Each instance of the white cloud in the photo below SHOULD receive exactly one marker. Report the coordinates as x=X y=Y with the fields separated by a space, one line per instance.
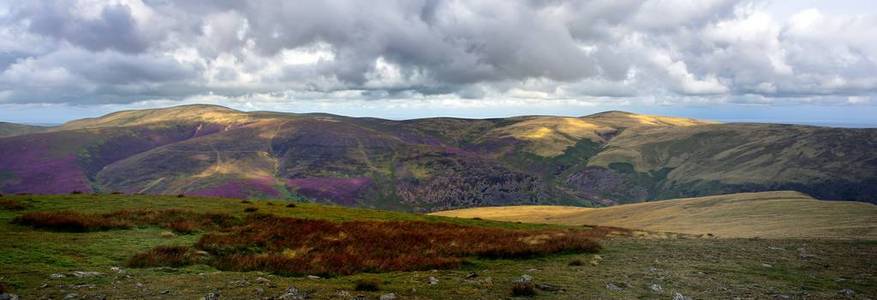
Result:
x=610 y=51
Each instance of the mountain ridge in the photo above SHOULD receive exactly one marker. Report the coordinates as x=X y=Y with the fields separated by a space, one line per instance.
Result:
x=436 y=163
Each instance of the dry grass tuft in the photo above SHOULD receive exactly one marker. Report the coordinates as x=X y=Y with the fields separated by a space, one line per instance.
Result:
x=11 y=205
x=164 y=256
x=523 y=289
x=69 y=221
x=182 y=221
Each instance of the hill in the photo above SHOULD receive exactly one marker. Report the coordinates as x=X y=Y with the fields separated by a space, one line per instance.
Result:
x=766 y=215
x=436 y=163
x=11 y=129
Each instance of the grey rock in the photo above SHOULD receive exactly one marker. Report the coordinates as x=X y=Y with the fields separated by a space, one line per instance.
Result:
x=781 y=297
x=679 y=296
x=211 y=296
x=433 y=280
x=525 y=278
x=471 y=275
x=57 y=276
x=83 y=274
x=71 y=296
x=613 y=287
x=390 y=296
x=260 y=290
x=656 y=288
x=292 y=293
x=313 y=277
x=849 y=293
x=548 y=287
x=263 y=280
x=343 y=294
x=5 y=296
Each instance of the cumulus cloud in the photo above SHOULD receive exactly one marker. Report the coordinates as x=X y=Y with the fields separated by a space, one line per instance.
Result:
x=677 y=51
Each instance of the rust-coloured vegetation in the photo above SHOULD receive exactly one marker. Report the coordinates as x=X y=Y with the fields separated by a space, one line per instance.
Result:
x=69 y=221
x=182 y=221
x=298 y=246
x=11 y=205
x=164 y=256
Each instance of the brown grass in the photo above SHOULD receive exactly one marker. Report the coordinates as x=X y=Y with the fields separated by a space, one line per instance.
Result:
x=780 y=214
x=576 y=263
x=69 y=221
x=164 y=256
x=11 y=205
x=182 y=221
x=299 y=246
x=523 y=289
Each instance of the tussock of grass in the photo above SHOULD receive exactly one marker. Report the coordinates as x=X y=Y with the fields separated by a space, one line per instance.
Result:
x=11 y=205
x=164 y=256
x=523 y=289
x=182 y=221
x=576 y=263
x=67 y=221
x=300 y=246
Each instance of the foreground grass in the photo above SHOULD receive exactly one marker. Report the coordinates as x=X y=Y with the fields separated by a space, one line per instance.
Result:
x=699 y=268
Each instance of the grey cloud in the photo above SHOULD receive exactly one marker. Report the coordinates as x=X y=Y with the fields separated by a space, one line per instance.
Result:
x=467 y=49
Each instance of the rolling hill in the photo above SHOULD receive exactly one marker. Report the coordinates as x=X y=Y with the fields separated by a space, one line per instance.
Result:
x=781 y=214
x=11 y=129
x=436 y=163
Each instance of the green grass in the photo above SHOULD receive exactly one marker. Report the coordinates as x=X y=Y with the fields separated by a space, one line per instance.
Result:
x=699 y=268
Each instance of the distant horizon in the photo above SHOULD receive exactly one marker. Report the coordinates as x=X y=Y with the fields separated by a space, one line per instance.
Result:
x=839 y=123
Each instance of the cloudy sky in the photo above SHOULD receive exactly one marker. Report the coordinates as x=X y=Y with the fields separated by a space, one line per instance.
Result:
x=802 y=61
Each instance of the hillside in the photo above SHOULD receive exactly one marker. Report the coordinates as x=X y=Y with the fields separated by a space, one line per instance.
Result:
x=11 y=129
x=436 y=163
x=766 y=215
x=144 y=247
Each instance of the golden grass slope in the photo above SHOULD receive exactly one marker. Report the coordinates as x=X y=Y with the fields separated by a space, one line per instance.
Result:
x=782 y=214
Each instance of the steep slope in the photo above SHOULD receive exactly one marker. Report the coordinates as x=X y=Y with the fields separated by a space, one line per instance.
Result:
x=12 y=129
x=435 y=163
x=767 y=214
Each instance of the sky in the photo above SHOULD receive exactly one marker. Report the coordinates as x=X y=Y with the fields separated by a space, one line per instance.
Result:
x=802 y=61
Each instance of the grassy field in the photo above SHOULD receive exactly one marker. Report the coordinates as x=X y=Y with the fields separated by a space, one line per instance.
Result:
x=627 y=267
x=745 y=215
